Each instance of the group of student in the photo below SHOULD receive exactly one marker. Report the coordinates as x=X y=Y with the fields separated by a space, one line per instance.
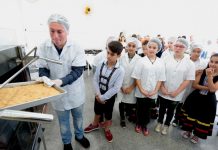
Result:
x=177 y=83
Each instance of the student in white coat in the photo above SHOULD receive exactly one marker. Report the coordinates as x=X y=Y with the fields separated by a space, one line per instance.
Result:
x=169 y=51
x=127 y=94
x=200 y=65
x=69 y=76
x=180 y=70
x=149 y=74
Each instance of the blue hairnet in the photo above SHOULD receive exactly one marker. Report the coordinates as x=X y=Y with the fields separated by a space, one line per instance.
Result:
x=195 y=45
x=132 y=40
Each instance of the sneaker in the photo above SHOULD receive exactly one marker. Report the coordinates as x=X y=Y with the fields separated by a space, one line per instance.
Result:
x=186 y=134
x=194 y=139
x=123 y=123
x=91 y=128
x=84 y=142
x=165 y=130
x=175 y=123
x=158 y=127
x=68 y=147
x=108 y=136
x=138 y=129
x=145 y=132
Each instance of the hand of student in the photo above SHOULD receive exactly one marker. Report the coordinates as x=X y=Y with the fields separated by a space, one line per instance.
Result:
x=198 y=72
x=174 y=94
x=209 y=71
x=150 y=94
x=99 y=100
x=164 y=91
x=128 y=90
x=144 y=92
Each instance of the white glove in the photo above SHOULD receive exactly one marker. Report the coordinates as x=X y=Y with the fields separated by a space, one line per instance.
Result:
x=47 y=82
x=57 y=82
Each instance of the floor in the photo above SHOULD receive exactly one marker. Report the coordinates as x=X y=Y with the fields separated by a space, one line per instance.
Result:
x=124 y=139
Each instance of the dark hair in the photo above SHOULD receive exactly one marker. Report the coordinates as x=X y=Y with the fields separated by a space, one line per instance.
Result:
x=214 y=55
x=134 y=35
x=145 y=42
x=115 y=47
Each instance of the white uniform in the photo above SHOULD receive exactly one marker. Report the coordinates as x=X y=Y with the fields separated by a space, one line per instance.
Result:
x=176 y=73
x=149 y=74
x=199 y=65
x=128 y=81
x=167 y=53
x=71 y=55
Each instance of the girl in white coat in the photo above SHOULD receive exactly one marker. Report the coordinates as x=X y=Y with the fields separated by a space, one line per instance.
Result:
x=180 y=70
x=200 y=65
x=149 y=73
x=126 y=95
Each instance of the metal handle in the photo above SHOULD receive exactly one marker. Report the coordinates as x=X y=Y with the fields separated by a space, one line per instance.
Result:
x=51 y=60
x=12 y=77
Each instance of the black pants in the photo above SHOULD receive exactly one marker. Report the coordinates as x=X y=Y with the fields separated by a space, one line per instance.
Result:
x=168 y=107
x=143 y=109
x=126 y=108
x=106 y=109
x=178 y=111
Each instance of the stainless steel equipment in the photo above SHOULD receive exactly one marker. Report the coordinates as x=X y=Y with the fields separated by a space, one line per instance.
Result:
x=15 y=134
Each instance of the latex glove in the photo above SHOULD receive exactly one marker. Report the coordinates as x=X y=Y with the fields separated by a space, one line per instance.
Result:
x=47 y=82
x=57 y=82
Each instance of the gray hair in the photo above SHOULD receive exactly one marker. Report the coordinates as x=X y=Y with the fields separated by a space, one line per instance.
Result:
x=59 y=19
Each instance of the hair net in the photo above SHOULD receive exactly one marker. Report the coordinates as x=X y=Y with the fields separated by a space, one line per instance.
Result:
x=157 y=41
x=132 y=40
x=59 y=19
x=110 y=39
x=194 y=46
x=172 y=39
x=183 y=41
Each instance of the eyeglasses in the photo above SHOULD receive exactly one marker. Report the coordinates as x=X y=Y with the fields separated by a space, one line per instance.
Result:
x=133 y=46
x=179 y=46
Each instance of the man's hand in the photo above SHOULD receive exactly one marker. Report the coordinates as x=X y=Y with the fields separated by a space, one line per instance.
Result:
x=174 y=94
x=57 y=82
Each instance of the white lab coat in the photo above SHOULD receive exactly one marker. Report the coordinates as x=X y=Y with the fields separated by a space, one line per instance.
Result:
x=149 y=74
x=176 y=73
x=71 y=55
x=128 y=80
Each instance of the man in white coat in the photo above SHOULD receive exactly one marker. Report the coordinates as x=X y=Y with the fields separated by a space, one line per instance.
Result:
x=69 y=76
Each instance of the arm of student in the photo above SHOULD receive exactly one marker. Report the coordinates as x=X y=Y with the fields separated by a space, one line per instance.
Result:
x=156 y=89
x=129 y=89
x=182 y=86
x=164 y=90
x=139 y=85
x=196 y=84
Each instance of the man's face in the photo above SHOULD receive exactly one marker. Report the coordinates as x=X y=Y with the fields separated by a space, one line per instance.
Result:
x=58 y=34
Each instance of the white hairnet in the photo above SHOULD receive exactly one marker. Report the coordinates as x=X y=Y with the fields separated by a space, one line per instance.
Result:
x=59 y=19
x=172 y=39
x=157 y=41
x=183 y=41
x=110 y=39
x=132 y=40
x=194 y=46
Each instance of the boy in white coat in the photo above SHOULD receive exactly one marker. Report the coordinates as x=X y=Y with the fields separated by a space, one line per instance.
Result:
x=127 y=93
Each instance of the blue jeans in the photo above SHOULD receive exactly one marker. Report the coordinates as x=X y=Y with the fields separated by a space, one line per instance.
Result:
x=64 y=122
